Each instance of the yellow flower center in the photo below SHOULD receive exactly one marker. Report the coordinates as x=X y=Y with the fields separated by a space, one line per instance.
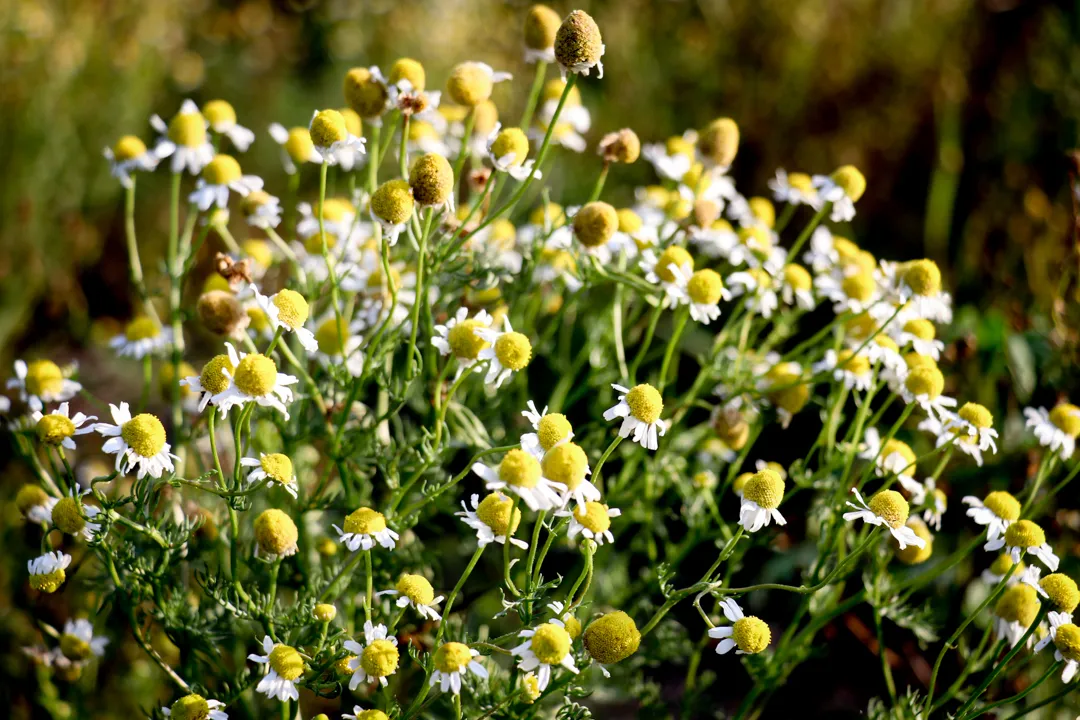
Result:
x=565 y=464
x=256 y=375
x=611 y=638
x=299 y=145
x=190 y=707
x=552 y=429
x=485 y=115
x=1019 y=603
x=923 y=277
x=925 y=381
x=220 y=311
x=751 y=634
x=704 y=480
x=1003 y=562
x=128 y=147
x=67 y=516
x=292 y=308
x=531 y=684
x=393 y=202
x=645 y=403
x=327 y=128
x=764 y=488
x=463 y=340
x=43 y=377
x=719 y=141
x=469 y=84
x=74 y=648
x=860 y=286
x=595 y=223
x=331 y=336
x=851 y=181
x=541 y=25
x=416 y=588
x=763 y=210
x=188 y=129
x=275 y=532
x=365 y=521
x=891 y=507
x=48 y=582
x=1062 y=591
x=577 y=41
x=572 y=625
x=1066 y=417
x=629 y=221
x=142 y=328
x=144 y=434
x=258 y=250
x=408 y=69
x=803 y=183
x=30 y=496
x=884 y=341
x=1067 y=641
x=364 y=93
x=222 y=170
x=286 y=662
x=513 y=143
x=901 y=448
x=431 y=179
x=673 y=256
x=550 y=643
x=920 y=328
x=220 y=113
x=797 y=277
x=1024 y=534
x=54 y=429
x=520 y=469
x=380 y=658
x=513 y=350
x=494 y=511
x=705 y=287
x=915 y=361
x=977 y=415
x=212 y=378
x=549 y=214
x=855 y=364
x=593 y=516
x=1003 y=504
x=913 y=554
x=341 y=667
x=278 y=467
x=452 y=657
x=316 y=244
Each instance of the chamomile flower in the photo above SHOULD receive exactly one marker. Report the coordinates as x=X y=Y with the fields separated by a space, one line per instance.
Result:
x=851 y=289
x=220 y=176
x=195 y=707
x=704 y=291
x=184 y=139
x=609 y=639
x=47 y=572
x=920 y=288
x=296 y=147
x=567 y=464
x=459 y=336
x=822 y=256
x=797 y=287
x=892 y=457
x=332 y=140
x=73 y=517
x=273 y=468
x=1025 y=536
x=283 y=666
x=261 y=210
x=541 y=25
x=888 y=508
x=566 y=618
x=451 y=661
x=1000 y=568
x=973 y=431
x=138 y=442
x=143 y=336
x=212 y=381
x=276 y=535
x=673 y=159
x=364 y=528
x=760 y=288
x=924 y=385
x=507 y=352
x=521 y=473
x=58 y=427
x=761 y=496
x=78 y=642
x=360 y=713
x=843 y=189
x=1015 y=611
x=546 y=648
x=997 y=511
x=221 y=116
x=920 y=335
x=508 y=150
x=794 y=189
x=287 y=310
x=415 y=591
x=338 y=347
x=1062 y=592
x=35 y=504
x=851 y=368
x=1065 y=636
x=747 y=635
x=491 y=519
x=552 y=430
x=128 y=155
x=254 y=379
x=640 y=408
x=592 y=520
x=1056 y=429
x=40 y=382
x=662 y=270
x=376 y=660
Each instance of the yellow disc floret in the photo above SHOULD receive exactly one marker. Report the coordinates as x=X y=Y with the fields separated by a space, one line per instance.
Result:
x=393 y=202
x=520 y=469
x=74 y=647
x=1066 y=417
x=463 y=340
x=578 y=42
x=762 y=209
x=718 y=142
x=751 y=634
x=365 y=521
x=324 y=612
x=278 y=467
x=1024 y=534
x=452 y=657
x=851 y=181
x=29 y=497
x=275 y=533
x=595 y=223
x=891 y=507
x=859 y=286
x=213 y=378
x=494 y=511
x=128 y=147
x=550 y=643
x=913 y=554
x=645 y=403
x=541 y=24
x=256 y=375
x=416 y=588
x=380 y=658
x=142 y=328
x=331 y=336
x=925 y=381
x=593 y=516
x=764 y=488
x=920 y=328
x=612 y=638
x=190 y=707
x=43 y=377
x=566 y=464
x=673 y=256
x=976 y=414
x=67 y=516
x=54 y=429
x=222 y=170
x=292 y=308
x=923 y=277
x=1067 y=642
x=408 y=69
x=188 y=129
x=328 y=128
x=220 y=114
x=797 y=277
x=286 y=662
x=552 y=429
x=299 y=145
x=510 y=143
x=1003 y=504
x=706 y=287
x=513 y=350
x=364 y=93
x=144 y=434
x=469 y=84
x=431 y=179
x=1062 y=591
x=1019 y=603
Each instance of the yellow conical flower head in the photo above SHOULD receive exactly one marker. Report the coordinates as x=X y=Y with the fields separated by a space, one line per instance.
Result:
x=920 y=328
x=331 y=336
x=54 y=429
x=511 y=143
x=328 y=128
x=577 y=42
x=67 y=516
x=855 y=364
x=705 y=287
x=286 y=662
x=718 y=142
x=275 y=533
x=219 y=113
x=901 y=448
x=913 y=554
x=408 y=69
x=541 y=24
x=851 y=181
x=550 y=643
x=646 y=403
x=890 y=506
x=213 y=378
x=751 y=634
x=612 y=638
x=393 y=202
x=353 y=123
x=1019 y=603
x=48 y=582
x=1067 y=642
x=128 y=147
x=142 y=328
x=144 y=434
x=299 y=145
x=1066 y=417
x=1062 y=591
x=190 y=707
x=30 y=496
x=278 y=467
x=915 y=361
x=566 y=464
x=1003 y=504
x=188 y=129
x=765 y=488
x=513 y=350
x=797 y=277
x=469 y=84
x=292 y=308
x=554 y=88
x=572 y=625
x=594 y=517
x=762 y=209
x=258 y=250
x=1024 y=534
x=622 y=146
x=485 y=117
x=431 y=179
x=463 y=340
x=672 y=256
x=494 y=511
x=222 y=170
x=416 y=588
x=364 y=93
x=520 y=469
x=452 y=657
x=380 y=658
x=976 y=414
x=923 y=277
x=256 y=375
x=365 y=521
x=859 y=286
x=925 y=381
x=1003 y=562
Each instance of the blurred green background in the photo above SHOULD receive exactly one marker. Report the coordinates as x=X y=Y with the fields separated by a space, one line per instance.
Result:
x=959 y=112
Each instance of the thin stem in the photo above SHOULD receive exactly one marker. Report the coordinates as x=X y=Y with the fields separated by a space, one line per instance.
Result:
x=457 y=588
x=133 y=253
x=534 y=95
x=680 y=322
x=650 y=330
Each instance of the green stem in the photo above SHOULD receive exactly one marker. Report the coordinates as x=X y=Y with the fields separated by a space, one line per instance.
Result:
x=133 y=253
x=421 y=261
x=1004 y=661
x=457 y=588
x=598 y=187
x=534 y=95
x=680 y=322
x=649 y=331
x=807 y=231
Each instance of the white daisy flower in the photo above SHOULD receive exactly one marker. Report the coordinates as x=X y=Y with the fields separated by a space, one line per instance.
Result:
x=490 y=518
x=794 y=189
x=220 y=176
x=47 y=572
x=829 y=190
x=591 y=519
x=376 y=660
x=222 y=118
x=283 y=666
x=853 y=370
x=919 y=334
x=364 y=528
x=886 y=508
x=507 y=352
x=137 y=442
x=997 y=512
x=73 y=517
x=1056 y=429
x=184 y=138
x=760 y=499
x=287 y=310
x=999 y=568
x=671 y=271
x=520 y=472
x=274 y=468
x=337 y=348
x=822 y=256
x=41 y=382
x=917 y=285
x=254 y=379
x=296 y=146
x=640 y=408
x=360 y=713
x=508 y=152
x=747 y=635
x=57 y=427
x=459 y=336
x=143 y=336
x=78 y=641
x=196 y=706
x=415 y=591
x=552 y=430
x=851 y=289
x=1025 y=536
x=1063 y=623
x=759 y=285
x=972 y=428
x=924 y=385
x=546 y=648
x=704 y=290
x=340 y=146
x=451 y=661
x=128 y=155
